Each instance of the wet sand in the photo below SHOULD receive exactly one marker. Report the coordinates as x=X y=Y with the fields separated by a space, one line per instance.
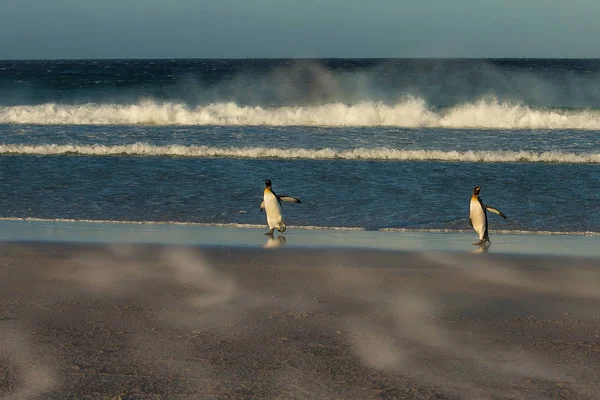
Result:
x=581 y=244
x=141 y=321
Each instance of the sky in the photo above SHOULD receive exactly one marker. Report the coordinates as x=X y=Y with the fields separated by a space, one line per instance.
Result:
x=100 y=29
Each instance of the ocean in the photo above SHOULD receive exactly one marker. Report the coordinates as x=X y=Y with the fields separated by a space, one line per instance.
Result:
x=370 y=144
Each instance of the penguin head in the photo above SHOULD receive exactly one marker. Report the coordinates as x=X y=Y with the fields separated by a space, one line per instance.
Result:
x=268 y=183
x=476 y=190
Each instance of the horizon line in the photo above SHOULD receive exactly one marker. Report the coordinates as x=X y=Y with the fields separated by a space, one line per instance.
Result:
x=297 y=58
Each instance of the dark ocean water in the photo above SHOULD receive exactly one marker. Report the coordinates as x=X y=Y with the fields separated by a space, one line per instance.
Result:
x=372 y=144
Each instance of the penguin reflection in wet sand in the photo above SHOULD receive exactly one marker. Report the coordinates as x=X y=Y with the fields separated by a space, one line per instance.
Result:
x=272 y=205
x=478 y=217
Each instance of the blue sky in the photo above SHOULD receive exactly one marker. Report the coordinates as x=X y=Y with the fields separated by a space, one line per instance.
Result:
x=54 y=29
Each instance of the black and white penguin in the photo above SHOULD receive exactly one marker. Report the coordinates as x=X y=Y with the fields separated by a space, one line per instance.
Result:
x=478 y=216
x=272 y=205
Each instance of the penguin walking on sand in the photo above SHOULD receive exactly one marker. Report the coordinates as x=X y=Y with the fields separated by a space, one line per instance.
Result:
x=478 y=217
x=272 y=205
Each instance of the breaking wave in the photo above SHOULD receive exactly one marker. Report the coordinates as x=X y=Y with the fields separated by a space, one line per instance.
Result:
x=382 y=153
x=410 y=113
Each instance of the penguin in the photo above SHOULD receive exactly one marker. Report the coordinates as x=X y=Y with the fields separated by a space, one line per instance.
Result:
x=478 y=217
x=272 y=205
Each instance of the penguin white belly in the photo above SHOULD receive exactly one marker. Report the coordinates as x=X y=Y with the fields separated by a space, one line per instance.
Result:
x=477 y=216
x=273 y=210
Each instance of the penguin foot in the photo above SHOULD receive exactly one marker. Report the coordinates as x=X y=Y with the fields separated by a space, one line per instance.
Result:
x=270 y=233
x=478 y=243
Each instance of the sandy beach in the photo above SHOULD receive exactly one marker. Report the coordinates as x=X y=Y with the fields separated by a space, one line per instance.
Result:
x=138 y=321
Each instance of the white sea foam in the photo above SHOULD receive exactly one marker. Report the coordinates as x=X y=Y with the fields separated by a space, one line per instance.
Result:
x=304 y=227
x=410 y=113
x=382 y=153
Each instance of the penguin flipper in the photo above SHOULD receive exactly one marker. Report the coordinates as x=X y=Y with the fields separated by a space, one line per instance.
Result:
x=262 y=206
x=470 y=222
x=495 y=211
x=289 y=199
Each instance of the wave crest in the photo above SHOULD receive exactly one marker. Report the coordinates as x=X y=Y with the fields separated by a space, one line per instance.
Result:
x=410 y=113
x=377 y=154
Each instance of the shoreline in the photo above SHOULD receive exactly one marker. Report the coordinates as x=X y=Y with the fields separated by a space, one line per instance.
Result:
x=326 y=238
